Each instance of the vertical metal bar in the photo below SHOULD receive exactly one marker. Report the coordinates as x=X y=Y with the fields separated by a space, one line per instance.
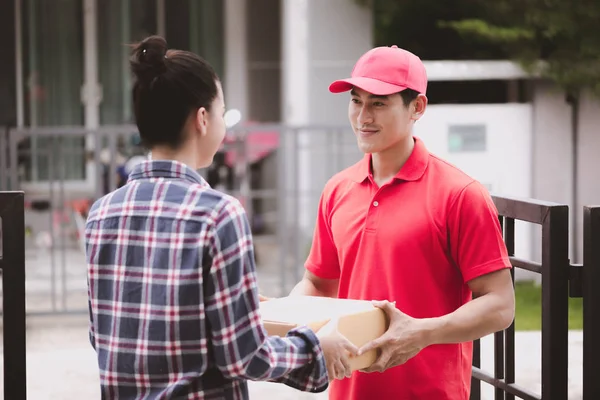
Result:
x=112 y=167
x=282 y=209
x=51 y=210
x=591 y=302
x=555 y=294
x=476 y=383
x=247 y=181
x=99 y=182
x=4 y=160
x=12 y=264
x=62 y=213
x=499 y=362
x=126 y=38
x=340 y=146
x=296 y=202
x=33 y=67
x=509 y=362
x=161 y=29
x=499 y=345
x=19 y=64
x=13 y=150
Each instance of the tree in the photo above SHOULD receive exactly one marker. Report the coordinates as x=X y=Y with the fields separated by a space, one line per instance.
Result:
x=413 y=25
x=558 y=40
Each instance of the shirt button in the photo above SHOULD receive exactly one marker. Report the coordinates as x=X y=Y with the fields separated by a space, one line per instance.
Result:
x=375 y=203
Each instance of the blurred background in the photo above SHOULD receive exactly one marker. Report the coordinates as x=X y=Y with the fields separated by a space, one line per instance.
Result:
x=512 y=101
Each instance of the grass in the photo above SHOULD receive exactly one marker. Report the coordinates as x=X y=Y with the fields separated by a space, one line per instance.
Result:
x=529 y=308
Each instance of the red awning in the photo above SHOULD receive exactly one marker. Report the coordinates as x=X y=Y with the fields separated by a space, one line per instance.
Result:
x=255 y=146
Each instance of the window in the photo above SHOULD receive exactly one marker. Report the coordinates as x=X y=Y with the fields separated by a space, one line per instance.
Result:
x=198 y=26
x=466 y=138
x=53 y=75
x=120 y=22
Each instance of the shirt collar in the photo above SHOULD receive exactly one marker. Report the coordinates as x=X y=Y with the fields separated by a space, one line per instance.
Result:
x=166 y=169
x=412 y=170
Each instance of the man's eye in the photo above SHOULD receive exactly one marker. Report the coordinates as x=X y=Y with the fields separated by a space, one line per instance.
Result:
x=355 y=101
x=378 y=104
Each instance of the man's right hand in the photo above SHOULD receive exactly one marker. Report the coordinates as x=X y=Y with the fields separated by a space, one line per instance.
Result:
x=337 y=350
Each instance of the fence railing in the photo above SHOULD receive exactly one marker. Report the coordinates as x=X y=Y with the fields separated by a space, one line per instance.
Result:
x=560 y=281
x=591 y=302
x=554 y=268
x=12 y=267
x=270 y=168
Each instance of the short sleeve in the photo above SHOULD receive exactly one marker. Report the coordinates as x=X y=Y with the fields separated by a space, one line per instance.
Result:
x=476 y=242
x=323 y=257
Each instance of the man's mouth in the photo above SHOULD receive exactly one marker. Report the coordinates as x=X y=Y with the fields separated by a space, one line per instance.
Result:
x=367 y=132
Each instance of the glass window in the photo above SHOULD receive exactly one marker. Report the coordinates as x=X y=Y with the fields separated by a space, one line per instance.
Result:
x=466 y=138
x=53 y=75
x=198 y=26
x=120 y=23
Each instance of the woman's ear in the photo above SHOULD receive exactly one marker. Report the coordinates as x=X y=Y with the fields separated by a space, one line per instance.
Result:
x=201 y=121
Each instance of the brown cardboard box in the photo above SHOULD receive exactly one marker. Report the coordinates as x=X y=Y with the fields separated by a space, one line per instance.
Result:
x=358 y=320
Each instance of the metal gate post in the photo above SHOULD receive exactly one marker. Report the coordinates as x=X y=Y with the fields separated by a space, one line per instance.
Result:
x=12 y=266
x=555 y=303
x=591 y=302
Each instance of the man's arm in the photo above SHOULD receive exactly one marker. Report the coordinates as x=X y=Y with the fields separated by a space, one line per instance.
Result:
x=312 y=285
x=491 y=310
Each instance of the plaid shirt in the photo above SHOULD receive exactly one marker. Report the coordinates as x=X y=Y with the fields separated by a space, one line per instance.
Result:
x=173 y=297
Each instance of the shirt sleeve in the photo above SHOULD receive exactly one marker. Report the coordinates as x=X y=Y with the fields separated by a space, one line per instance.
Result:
x=476 y=242
x=323 y=257
x=238 y=339
x=92 y=335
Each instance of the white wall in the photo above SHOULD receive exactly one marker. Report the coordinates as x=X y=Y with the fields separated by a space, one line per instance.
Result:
x=553 y=154
x=505 y=166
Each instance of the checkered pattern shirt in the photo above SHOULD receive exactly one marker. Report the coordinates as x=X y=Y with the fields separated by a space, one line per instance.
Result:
x=173 y=297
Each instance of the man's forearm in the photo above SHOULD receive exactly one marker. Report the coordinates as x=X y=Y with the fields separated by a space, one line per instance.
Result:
x=480 y=317
x=307 y=288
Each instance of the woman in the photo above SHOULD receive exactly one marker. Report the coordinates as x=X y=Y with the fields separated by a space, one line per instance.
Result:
x=171 y=273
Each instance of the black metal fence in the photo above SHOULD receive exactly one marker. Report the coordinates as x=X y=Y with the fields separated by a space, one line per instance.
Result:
x=560 y=280
x=12 y=267
x=591 y=302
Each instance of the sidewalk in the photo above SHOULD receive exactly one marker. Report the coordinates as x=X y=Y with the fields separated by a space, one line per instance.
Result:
x=61 y=364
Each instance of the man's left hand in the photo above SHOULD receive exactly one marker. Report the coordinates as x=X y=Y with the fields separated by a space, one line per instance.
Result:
x=403 y=340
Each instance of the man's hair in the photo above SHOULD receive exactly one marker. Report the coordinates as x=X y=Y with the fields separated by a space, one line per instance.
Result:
x=408 y=95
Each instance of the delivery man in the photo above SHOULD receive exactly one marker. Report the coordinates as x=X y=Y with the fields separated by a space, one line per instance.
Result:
x=408 y=228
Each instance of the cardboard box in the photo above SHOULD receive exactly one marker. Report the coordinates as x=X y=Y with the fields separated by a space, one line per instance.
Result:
x=358 y=320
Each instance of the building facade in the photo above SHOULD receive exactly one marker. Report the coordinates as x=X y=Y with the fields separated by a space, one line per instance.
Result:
x=66 y=64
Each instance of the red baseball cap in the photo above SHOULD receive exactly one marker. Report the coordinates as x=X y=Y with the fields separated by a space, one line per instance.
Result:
x=384 y=71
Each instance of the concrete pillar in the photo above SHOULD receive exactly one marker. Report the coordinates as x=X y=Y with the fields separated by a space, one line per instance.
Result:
x=321 y=41
x=236 y=70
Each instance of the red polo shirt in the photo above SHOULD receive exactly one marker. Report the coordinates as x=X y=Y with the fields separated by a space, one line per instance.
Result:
x=417 y=241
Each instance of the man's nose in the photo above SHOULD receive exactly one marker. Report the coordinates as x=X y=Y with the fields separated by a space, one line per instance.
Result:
x=364 y=116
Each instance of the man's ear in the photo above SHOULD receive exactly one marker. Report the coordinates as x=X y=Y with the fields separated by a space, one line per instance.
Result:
x=420 y=105
x=201 y=121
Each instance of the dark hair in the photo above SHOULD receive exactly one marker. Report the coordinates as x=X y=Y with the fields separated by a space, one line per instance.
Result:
x=408 y=95
x=169 y=85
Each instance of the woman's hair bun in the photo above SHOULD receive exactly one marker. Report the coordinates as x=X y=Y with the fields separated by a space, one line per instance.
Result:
x=148 y=59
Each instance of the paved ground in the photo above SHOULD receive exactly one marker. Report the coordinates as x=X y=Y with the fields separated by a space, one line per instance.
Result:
x=62 y=365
